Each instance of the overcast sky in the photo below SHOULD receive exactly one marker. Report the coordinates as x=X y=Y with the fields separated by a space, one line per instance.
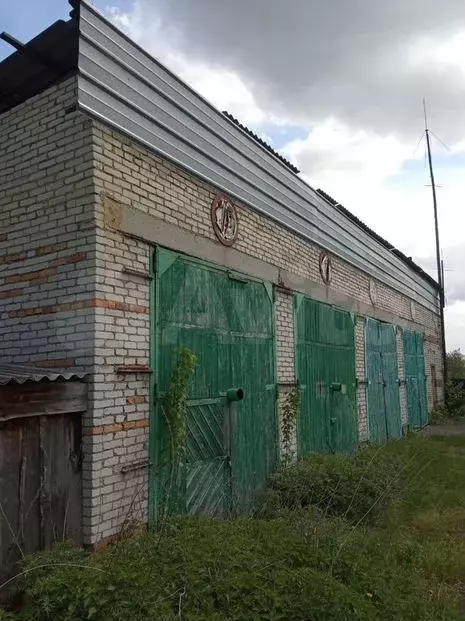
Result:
x=337 y=86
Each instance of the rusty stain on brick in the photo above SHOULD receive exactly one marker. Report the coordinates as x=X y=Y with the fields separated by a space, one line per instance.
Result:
x=12 y=293
x=136 y=400
x=37 y=277
x=123 y=306
x=13 y=258
x=101 y=430
x=72 y=306
x=52 y=364
x=133 y=368
x=43 y=250
x=73 y=258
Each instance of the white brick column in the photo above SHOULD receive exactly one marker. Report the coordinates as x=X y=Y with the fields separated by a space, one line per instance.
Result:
x=360 y=371
x=402 y=386
x=285 y=360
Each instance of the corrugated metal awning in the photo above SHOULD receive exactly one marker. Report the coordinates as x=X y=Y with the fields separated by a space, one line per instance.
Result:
x=19 y=374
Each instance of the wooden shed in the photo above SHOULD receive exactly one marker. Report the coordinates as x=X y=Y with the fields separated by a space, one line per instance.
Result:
x=40 y=460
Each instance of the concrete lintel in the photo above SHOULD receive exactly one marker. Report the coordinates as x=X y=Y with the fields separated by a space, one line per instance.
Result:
x=136 y=223
x=149 y=228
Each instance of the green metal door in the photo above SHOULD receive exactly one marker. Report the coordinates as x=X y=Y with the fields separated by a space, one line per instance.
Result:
x=227 y=322
x=415 y=379
x=383 y=399
x=326 y=376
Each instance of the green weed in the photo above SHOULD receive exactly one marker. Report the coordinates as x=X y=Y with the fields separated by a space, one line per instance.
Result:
x=315 y=557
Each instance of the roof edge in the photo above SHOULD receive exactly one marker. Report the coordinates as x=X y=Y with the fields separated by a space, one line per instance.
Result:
x=403 y=257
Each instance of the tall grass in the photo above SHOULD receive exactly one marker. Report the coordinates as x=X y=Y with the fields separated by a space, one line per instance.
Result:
x=379 y=536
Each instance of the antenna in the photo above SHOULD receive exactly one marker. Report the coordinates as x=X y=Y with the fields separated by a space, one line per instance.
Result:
x=438 y=248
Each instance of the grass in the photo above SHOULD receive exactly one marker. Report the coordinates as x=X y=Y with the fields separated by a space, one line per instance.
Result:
x=317 y=551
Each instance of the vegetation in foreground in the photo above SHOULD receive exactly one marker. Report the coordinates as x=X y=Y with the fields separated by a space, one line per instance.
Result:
x=376 y=536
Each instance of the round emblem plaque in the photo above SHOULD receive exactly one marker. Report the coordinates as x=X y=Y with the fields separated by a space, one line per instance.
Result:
x=326 y=268
x=224 y=219
x=373 y=291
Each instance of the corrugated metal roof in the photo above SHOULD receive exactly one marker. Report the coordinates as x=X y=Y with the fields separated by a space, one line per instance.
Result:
x=264 y=144
x=20 y=374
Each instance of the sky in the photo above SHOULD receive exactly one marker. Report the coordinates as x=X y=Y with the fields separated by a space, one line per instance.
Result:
x=337 y=87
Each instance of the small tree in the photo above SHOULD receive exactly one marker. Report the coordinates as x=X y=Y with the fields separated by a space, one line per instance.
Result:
x=456 y=364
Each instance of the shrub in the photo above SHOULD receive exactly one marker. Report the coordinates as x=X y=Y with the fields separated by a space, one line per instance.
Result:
x=439 y=415
x=199 y=570
x=356 y=487
x=455 y=398
x=295 y=568
x=303 y=565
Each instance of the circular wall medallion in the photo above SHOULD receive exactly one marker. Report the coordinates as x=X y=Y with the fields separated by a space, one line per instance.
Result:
x=413 y=311
x=373 y=291
x=326 y=269
x=224 y=219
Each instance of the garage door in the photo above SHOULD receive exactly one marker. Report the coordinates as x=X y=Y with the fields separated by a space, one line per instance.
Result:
x=415 y=378
x=383 y=401
x=326 y=375
x=227 y=321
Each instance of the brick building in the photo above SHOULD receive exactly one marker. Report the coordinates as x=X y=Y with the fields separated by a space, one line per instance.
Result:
x=135 y=218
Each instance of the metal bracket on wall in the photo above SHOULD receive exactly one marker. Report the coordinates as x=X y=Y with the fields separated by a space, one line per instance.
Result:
x=129 y=271
x=133 y=368
x=136 y=465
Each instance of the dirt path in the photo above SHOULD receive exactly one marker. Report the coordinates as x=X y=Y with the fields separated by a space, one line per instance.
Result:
x=451 y=428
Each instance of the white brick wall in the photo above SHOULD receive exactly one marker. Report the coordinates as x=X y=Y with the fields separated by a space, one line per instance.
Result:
x=285 y=345
x=47 y=222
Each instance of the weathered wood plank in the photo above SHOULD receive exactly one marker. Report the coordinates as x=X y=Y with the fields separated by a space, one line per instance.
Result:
x=42 y=398
x=19 y=492
x=61 y=466
x=40 y=485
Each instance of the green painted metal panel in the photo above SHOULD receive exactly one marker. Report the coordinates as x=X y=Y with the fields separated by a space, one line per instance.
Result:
x=227 y=321
x=383 y=399
x=326 y=375
x=415 y=379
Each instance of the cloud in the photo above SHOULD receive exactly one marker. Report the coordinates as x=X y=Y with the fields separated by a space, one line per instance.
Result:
x=220 y=85
x=455 y=326
x=367 y=63
x=454 y=264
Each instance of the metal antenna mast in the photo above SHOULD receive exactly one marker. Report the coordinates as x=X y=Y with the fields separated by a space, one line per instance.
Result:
x=438 y=248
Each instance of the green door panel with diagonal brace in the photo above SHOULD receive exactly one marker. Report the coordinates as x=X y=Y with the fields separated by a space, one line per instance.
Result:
x=415 y=379
x=383 y=400
x=227 y=321
x=326 y=375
